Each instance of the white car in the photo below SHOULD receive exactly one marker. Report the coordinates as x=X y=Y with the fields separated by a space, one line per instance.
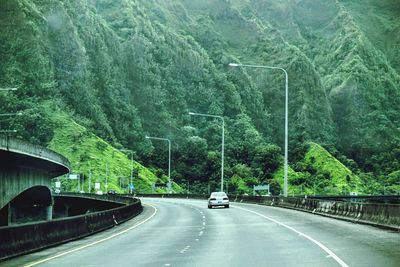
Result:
x=218 y=199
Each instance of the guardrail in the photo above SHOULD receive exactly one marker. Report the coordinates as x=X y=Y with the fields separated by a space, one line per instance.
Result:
x=376 y=214
x=22 y=239
x=123 y=199
x=392 y=199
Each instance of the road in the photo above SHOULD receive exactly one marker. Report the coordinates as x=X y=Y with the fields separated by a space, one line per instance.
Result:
x=174 y=232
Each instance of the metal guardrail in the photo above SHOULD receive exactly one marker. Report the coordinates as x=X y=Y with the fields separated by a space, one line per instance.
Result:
x=21 y=147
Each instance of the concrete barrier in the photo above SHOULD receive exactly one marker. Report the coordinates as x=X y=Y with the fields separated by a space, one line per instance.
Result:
x=376 y=214
x=22 y=239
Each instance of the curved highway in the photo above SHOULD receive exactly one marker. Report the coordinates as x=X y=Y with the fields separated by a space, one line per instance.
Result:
x=175 y=232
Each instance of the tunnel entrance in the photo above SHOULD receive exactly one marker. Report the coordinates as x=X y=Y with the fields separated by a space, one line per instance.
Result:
x=34 y=204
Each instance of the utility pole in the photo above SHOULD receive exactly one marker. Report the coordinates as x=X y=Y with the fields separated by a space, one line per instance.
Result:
x=106 y=185
x=90 y=178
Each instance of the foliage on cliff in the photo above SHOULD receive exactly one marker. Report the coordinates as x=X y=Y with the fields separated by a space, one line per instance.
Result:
x=124 y=69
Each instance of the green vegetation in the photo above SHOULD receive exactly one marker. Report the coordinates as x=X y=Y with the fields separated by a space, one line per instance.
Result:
x=90 y=156
x=115 y=71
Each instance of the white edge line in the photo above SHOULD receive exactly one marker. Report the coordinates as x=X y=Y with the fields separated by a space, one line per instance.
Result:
x=327 y=250
x=94 y=243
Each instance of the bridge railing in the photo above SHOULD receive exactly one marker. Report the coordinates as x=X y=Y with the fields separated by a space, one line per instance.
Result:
x=22 y=239
x=15 y=145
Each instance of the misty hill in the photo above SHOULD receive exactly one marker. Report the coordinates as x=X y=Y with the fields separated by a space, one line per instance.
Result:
x=124 y=69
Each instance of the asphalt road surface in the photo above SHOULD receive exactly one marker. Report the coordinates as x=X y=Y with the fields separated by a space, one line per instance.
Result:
x=175 y=232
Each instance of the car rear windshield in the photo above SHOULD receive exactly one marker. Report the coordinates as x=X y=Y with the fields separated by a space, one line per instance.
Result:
x=218 y=194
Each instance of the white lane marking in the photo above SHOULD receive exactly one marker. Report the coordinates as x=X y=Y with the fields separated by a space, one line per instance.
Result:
x=327 y=250
x=167 y=264
x=204 y=223
x=204 y=217
x=94 y=243
x=201 y=233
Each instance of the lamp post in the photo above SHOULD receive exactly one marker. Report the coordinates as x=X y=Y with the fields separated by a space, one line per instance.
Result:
x=285 y=179
x=10 y=114
x=106 y=185
x=223 y=142
x=169 y=158
x=131 y=181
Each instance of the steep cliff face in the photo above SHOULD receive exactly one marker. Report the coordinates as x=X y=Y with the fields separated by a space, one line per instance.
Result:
x=130 y=67
x=344 y=80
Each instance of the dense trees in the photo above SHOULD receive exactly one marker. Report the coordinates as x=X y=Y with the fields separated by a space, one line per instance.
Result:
x=129 y=68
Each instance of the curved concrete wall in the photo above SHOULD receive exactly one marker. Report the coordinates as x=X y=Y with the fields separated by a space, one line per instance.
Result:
x=23 y=165
x=22 y=239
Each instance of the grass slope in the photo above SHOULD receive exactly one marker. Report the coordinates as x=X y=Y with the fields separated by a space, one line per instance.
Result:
x=321 y=174
x=327 y=166
x=88 y=153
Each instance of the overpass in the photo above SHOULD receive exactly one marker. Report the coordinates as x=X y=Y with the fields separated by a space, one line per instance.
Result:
x=25 y=174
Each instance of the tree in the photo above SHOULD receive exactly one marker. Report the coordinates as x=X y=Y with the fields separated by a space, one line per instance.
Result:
x=269 y=158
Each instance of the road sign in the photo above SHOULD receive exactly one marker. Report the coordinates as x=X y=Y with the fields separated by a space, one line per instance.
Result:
x=132 y=187
x=58 y=184
x=73 y=176
x=260 y=187
x=97 y=186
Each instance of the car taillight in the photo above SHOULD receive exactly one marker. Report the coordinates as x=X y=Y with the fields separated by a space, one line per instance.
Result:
x=225 y=198
x=213 y=199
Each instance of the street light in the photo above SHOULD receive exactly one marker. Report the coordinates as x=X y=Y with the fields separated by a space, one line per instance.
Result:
x=223 y=142
x=10 y=114
x=130 y=151
x=285 y=179
x=169 y=158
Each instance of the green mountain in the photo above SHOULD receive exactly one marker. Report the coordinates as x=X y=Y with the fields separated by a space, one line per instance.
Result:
x=130 y=68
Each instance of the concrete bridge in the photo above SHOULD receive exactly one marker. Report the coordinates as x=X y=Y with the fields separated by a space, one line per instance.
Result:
x=26 y=171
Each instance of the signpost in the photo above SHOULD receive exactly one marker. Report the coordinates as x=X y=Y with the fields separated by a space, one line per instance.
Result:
x=97 y=188
x=260 y=188
x=76 y=177
x=73 y=176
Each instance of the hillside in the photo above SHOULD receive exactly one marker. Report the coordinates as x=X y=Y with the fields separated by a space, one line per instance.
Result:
x=130 y=68
x=93 y=158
